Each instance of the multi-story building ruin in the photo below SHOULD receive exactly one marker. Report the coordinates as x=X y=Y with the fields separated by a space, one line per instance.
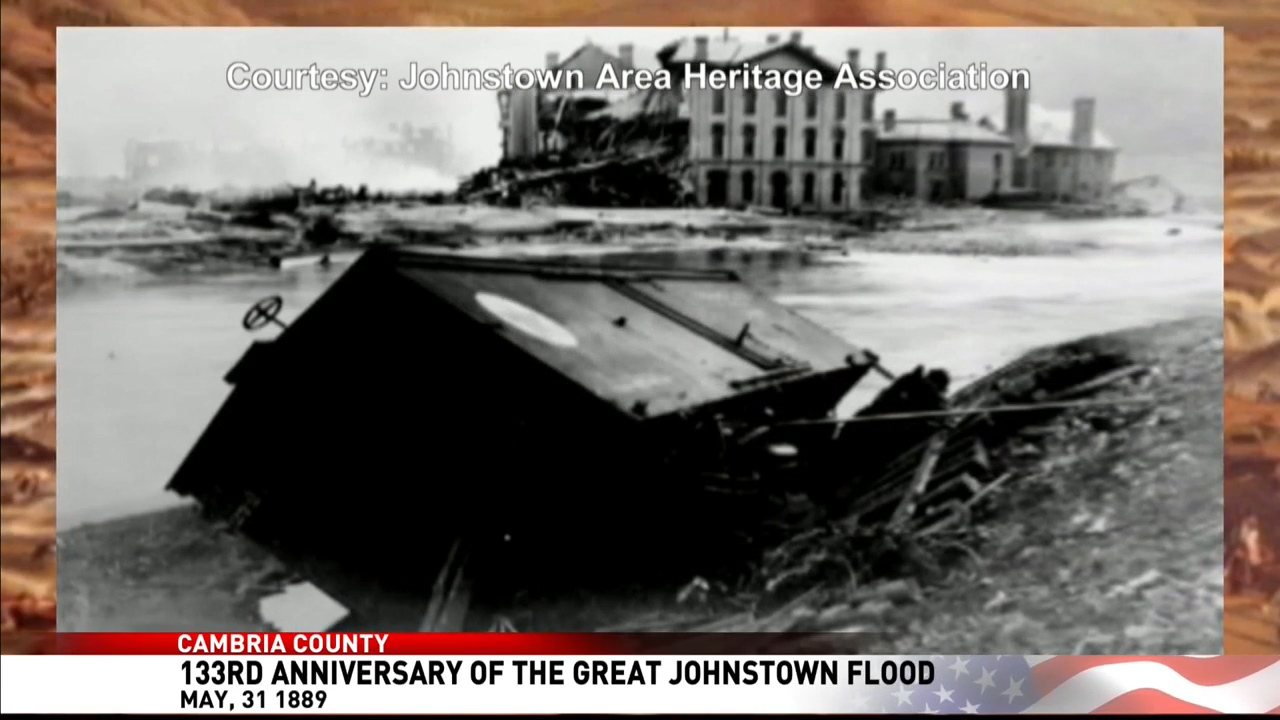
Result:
x=749 y=147
x=821 y=150
x=744 y=147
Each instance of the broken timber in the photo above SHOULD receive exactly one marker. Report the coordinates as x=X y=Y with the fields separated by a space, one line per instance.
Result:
x=924 y=473
x=450 y=595
x=953 y=412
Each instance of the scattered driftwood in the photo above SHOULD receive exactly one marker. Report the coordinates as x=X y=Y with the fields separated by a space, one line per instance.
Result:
x=961 y=511
x=846 y=573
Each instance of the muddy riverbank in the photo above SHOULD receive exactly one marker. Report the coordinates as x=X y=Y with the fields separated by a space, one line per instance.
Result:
x=1108 y=542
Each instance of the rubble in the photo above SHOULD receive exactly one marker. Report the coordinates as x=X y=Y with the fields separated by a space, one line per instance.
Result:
x=645 y=178
x=842 y=574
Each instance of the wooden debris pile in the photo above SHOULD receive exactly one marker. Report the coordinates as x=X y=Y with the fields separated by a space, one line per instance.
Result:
x=906 y=521
x=638 y=177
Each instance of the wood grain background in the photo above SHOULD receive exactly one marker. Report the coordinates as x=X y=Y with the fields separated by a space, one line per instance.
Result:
x=27 y=97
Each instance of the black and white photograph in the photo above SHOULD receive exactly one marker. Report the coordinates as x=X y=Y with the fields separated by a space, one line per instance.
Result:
x=911 y=337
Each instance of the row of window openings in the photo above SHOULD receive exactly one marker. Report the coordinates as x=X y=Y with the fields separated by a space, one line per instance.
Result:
x=936 y=161
x=808 y=187
x=718 y=138
x=719 y=101
x=1082 y=188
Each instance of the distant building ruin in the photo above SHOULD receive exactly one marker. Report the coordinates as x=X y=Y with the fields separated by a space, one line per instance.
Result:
x=1059 y=155
x=544 y=120
x=810 y=153
x=821 y=151
x=748 y=147
x=942 y=160
x=1052 y=155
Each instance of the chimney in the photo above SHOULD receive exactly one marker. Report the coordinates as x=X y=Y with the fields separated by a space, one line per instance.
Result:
x=627 y=52
x=957 y=111
x=1082 y=122
x=851 y=57
x=881 y=60
x=700 y=47
x=553 y=59
x=890 y=120
x=795 y=37
x=772 y=38
x=1016 y=108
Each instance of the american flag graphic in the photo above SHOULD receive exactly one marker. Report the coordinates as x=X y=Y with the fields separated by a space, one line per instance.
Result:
x=1006 y=684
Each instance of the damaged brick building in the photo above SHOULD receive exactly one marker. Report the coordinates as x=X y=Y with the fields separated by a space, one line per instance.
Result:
x=743 y=147
x=748 y=147
x=817 y=151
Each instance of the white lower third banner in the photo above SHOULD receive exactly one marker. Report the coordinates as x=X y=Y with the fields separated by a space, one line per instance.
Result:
x=409 y=684
x=541 y=674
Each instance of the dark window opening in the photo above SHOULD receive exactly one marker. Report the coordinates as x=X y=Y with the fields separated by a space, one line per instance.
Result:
x=717 y=141
x=717 y=188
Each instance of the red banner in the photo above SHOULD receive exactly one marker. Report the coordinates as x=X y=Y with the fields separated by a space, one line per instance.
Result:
x=456 y=643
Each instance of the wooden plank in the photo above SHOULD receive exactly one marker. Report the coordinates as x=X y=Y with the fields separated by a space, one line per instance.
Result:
x=962 y=509
x=920 y=482
x=1100 y=382
x=978 y=411
x=450 y=594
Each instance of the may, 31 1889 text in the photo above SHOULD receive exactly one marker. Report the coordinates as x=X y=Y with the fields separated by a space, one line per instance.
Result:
x=240 y=672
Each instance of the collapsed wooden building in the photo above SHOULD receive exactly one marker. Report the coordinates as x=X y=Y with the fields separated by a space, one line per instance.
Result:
x=558 y=419
x=421 y=384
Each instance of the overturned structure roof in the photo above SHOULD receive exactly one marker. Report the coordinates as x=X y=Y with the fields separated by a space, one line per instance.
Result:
x=426 y=395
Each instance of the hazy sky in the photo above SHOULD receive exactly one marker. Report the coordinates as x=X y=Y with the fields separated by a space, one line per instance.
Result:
x=1158 y=91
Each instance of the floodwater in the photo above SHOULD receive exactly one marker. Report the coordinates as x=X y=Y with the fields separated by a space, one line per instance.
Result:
x=141 y=365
